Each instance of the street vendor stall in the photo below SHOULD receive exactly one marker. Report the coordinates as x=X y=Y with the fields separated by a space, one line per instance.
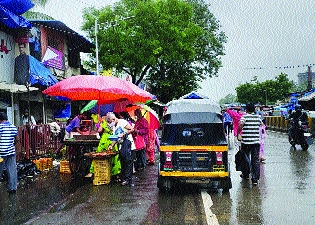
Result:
x=105 y=89
x=77 y=147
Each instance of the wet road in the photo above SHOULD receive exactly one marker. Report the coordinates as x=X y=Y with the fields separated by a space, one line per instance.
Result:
x=285 y=192
x=284 y=195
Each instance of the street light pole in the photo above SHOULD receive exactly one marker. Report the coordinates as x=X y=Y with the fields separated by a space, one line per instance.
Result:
x=266 y=96
x=96 y=47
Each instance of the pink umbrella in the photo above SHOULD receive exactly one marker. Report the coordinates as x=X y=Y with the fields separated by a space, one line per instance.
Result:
x=105 y=89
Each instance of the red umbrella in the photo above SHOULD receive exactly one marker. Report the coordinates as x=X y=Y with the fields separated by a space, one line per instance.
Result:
x=105 y=89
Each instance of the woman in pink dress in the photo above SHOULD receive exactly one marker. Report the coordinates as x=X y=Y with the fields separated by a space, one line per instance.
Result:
x=152 y=142
x=141 y=128
x=236 y=116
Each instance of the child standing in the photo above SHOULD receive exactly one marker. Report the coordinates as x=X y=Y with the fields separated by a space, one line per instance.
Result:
x=263 y=135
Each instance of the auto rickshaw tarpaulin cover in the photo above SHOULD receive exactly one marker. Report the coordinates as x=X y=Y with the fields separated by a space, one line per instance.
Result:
x=193 y=122
x=192 y=105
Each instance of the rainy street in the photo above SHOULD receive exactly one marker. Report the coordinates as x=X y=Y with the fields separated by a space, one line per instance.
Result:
x=284 y=195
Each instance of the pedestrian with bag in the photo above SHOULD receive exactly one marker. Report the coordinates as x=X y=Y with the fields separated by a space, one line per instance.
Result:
x=8 y=139
x=126 y=146
x=250 y=142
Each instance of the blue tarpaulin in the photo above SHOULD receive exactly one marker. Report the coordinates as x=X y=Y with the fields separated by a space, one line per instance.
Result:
x=39 y=74
x=64 y=112
x=103 y=109
x=13 y=20
x=194 y=95
x=17 y=7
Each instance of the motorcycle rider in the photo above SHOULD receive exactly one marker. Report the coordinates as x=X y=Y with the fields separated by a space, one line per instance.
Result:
x=295 y=117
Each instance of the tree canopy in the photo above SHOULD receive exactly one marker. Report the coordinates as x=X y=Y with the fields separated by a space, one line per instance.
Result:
x=268 y=91
x=172 y=44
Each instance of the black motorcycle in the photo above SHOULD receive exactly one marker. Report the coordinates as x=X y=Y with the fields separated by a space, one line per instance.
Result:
x=299 y=134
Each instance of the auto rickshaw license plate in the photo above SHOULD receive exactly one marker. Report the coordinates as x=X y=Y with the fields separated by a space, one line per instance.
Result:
x=218 y=168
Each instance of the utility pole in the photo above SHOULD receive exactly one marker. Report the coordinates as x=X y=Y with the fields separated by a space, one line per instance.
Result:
x=309 y=78
x=96 y=47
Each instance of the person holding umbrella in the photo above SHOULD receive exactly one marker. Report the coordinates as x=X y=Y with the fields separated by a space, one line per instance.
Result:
x=141 y=128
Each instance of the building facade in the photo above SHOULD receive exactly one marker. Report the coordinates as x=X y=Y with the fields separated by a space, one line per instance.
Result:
x=53 y=48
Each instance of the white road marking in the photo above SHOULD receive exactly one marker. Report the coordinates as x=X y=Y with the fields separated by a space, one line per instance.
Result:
x=207 y=203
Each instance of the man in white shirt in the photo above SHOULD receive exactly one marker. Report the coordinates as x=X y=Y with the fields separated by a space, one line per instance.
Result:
x=28 y=119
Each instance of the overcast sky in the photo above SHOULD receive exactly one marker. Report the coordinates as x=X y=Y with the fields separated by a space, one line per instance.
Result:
x=266 y=34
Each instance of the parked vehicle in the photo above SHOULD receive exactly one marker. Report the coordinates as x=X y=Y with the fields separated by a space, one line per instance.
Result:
x=194 y=147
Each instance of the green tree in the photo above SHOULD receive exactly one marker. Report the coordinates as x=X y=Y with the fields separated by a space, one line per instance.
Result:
x=40 y=2
x=172 y=43
x=228 y=99
x=269 y=90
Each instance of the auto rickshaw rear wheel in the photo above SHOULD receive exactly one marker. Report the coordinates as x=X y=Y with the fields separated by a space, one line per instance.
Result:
x=225 y=184
x=165 y=184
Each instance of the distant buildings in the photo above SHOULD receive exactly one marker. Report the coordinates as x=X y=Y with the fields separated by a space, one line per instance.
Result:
x=303 y=78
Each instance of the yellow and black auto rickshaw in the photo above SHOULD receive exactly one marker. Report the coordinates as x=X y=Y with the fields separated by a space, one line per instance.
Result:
x=194 y=147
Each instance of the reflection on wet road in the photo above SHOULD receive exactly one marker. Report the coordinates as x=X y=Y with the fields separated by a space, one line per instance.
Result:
x=284 y=195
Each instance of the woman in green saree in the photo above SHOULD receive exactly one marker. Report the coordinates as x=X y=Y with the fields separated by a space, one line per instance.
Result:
x=115 y=165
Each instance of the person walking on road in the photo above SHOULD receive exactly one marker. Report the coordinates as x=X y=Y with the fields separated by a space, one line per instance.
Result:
x=236 y=117
x=8 y=139
x=250 y=142
x=227 y=122
x=263 y=135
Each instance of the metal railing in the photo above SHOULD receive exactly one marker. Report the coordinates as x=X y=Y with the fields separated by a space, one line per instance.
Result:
x=280 y=123
x=38 y=141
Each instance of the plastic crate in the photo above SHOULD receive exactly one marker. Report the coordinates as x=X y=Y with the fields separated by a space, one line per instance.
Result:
x=101 y=171
x=100 y=182
x=44 y=163
x=64 y=166
x=49 y=163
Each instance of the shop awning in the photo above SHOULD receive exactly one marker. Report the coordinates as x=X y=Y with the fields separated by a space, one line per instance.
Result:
x=13 y=20
x=15 y=88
